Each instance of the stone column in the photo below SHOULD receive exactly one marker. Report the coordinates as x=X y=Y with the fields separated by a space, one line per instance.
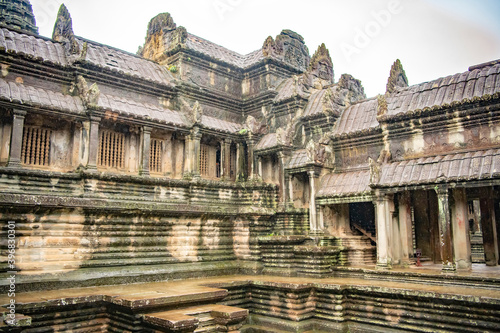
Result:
x=383 y=221
x=281 y=158
x=288 y=190
x=313 y=223
x=405 y=228
x=16 y=142
x=251 y=162
x=196 y=143
x=344 y=221
x=93 y=143
x=259 y=167
x=395 y=248
x=188 y=155
x=321 y=220
x=444 y=223
x=145 y=151
x=488 y=224
x=226 y=164
x=240 y=154
x=460 y=228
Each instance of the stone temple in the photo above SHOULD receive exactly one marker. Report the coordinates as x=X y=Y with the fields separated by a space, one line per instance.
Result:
x=190 y=188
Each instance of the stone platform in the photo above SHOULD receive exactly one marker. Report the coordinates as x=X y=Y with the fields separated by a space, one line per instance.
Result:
x=267 y=304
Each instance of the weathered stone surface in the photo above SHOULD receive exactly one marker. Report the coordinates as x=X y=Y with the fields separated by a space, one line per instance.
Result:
x=192 y=160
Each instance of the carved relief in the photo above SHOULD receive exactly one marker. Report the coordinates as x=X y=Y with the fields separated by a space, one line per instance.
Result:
x=254 y=126
x=89 y=95
x=288 y=47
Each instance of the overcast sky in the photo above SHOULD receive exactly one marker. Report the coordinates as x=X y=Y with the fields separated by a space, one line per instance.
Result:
x=432 y=38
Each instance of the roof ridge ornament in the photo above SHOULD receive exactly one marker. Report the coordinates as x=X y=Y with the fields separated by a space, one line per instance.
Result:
x=163 y=35
x=63 y=31
x=321 y=65
x=397 y=78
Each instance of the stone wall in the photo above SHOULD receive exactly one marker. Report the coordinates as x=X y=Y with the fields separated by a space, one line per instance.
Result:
x=82 y=226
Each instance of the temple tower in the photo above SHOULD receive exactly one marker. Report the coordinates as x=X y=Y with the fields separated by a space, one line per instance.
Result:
x=18 y=14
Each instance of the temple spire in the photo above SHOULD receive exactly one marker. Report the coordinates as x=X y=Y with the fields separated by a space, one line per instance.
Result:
x=18 y=14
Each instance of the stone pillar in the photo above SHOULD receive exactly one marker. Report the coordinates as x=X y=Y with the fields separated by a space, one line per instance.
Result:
x=251 y=162
x=226 y=163
x=342 y=220
x=321 y=219
x=188 y=155
x=192 y=153
x=281 y=157
x=93 y=143
x=16 y=138
x=240 y=162
x=145 y=151
x=383 y=221
x=395 y=248
x=313 y=223
x=460 y=229
x=288 y=190
x=444 y=224
x=259 y=167
x=488 y=224
x=196 y=143
x=405 y=228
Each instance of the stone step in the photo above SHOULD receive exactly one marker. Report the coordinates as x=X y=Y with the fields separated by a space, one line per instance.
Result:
x=191 y=319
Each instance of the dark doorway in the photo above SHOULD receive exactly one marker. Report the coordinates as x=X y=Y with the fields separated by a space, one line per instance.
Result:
x=426 y=213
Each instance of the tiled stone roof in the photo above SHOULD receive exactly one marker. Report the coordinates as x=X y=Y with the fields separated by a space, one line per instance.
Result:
x=480 y=81
x=359 y=117
x=268 y=141
x=453 y=167
x=315 y=105
x=220 y=125
x=33 y=96
x=125 y=63
x=289 y=88
x=298 y=159
x=36 y=48
x=221 y=53
x=131 y=108
x=345 y=184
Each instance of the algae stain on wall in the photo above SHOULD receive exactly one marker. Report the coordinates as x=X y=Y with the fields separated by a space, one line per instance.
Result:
x=184 y=239
x=241 y=236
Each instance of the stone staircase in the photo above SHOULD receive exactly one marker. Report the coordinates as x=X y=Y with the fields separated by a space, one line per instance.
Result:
x=144 y=308
x=199 y=319
x=477 y=247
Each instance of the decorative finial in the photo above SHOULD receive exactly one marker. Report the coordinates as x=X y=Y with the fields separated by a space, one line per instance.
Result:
x=397 y=78
x=321 y=64
x=63 y=31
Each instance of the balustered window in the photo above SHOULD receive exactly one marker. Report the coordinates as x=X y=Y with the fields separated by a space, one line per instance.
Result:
x=204 y=153
x=111 y=150
x=156 y=156
x=210 y=161
x=36 y=146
